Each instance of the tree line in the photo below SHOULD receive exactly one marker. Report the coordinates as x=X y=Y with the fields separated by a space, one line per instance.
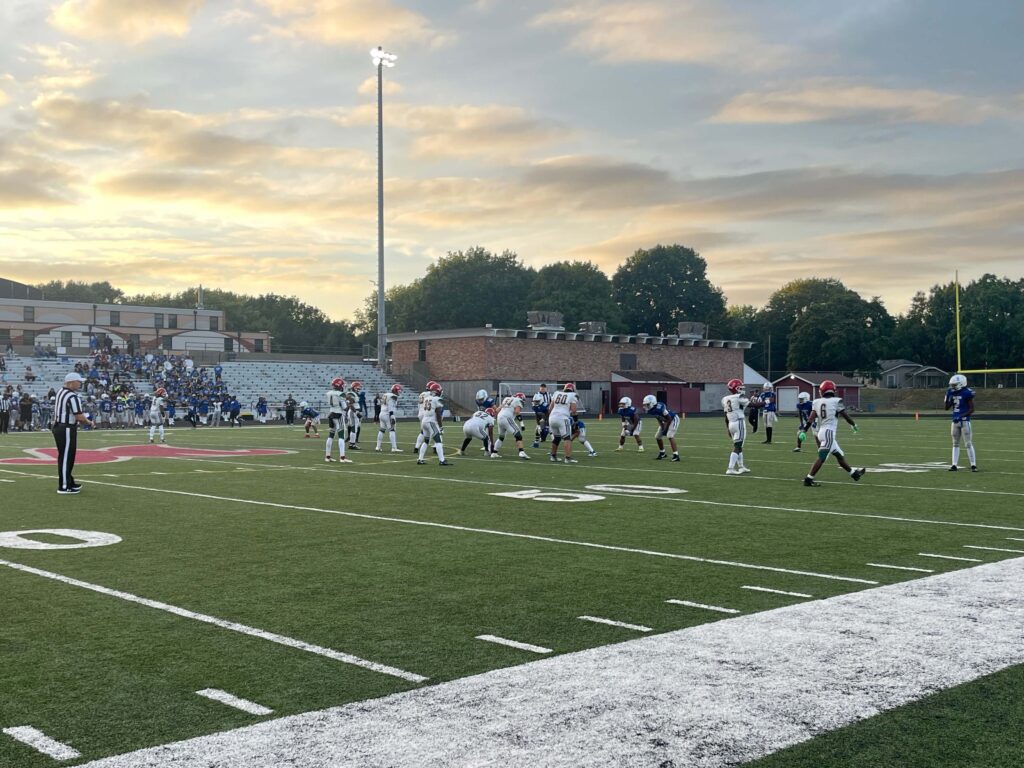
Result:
x=807 y=324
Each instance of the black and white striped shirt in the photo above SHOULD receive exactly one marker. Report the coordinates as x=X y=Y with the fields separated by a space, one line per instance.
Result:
x=5 y=403
x=64 y=409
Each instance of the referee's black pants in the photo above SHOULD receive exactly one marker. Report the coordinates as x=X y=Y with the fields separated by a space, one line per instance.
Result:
x=66 y=438
x=5 y=420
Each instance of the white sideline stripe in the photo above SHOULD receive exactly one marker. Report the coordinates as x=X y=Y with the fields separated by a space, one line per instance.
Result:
x=1010 y=538
x=689 y=604
x=216 y=694
x=901 y=567
x=775 y=591
x=995 y=549
x=263 y=634
x=42 y=743
x=513 y=643
x=3 y=480
x=950 y=557
x=612 y=623
x=738 y=689
x=491 y=532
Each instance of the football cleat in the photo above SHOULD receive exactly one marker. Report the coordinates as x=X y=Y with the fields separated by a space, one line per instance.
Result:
x=535 y=444
x=742 y=470
x=444 y=464
x=524 y=455
x=377 y=450
x=953 y=468
x=570 y=460
x=592 y=454
x=796 y=450
x=308 y=436
x=810 y=482
x=974 y=467
x=661 y=456
x=639 y=449
x=420 y=461
x=328 y=459
x=344 y=460
x=732 y=471
x=620 y=448
x=396 y=450
x=69 y=491
x=858 y=473
x=553 y=457
x=675 y=457
x=494 y=455
x=766 y=442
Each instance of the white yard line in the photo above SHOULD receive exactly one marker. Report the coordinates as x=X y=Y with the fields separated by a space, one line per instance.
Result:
x=1011 y=538
x=492 y=532
x=613 y=623
x=901 y=567
x=715 y=695
x=42 y=743
x=775 y=591
x=950 y=557
x=716 y=608
x=215 y=694
x=233 y=626
x=995 y=549
x=513 y=644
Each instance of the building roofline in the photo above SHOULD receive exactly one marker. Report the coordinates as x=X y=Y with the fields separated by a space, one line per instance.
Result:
x=108 y=307
x=562 y=335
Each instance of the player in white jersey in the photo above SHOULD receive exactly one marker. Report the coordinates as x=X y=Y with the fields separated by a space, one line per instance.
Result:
x=355 y=421
x=430 y=413
x=825 y=413
x=734 y=404
x=388 y=419
x=508 y=423
x=157 y=414
x=560 y=417
x=337 y=406
x=480 y=426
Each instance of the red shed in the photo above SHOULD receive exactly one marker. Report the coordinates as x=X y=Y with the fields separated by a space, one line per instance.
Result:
x=669 y=389
x=792 y=384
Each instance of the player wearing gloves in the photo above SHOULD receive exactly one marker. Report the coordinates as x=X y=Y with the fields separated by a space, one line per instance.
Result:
x=631 y=424
x=826 y=411
x=960 y=398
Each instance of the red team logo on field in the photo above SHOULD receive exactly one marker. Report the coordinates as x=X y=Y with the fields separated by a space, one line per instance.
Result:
x=114 y=453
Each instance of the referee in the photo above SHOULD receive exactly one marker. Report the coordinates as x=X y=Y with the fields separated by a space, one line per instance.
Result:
x=5 y=412
x=67 y=415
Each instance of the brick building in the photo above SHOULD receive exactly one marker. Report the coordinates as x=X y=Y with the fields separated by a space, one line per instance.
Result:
x=467 y=359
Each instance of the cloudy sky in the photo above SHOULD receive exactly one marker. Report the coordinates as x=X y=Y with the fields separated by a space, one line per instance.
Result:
x=160 y=143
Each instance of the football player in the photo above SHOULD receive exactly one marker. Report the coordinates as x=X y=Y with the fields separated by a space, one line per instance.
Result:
x=355 y=421
x=560 y=417
x=106 y=410
x=960 y=398
x=483 y=400
x=480 y=426
x=541 y=401
x=508 y=422
x=668 y=425
x=311 y=419
x=734 y=404
x=631 y=424
x=769 y=405
x=337 y=405
x=826 y=411
x=157 y=413
x=579 y=432
x=388 y=419
x=803 y=411
x=431 y=412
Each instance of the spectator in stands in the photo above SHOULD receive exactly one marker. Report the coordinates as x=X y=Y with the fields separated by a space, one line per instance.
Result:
x=93 y=343
x=30 y=375
x=9 y=349
x=3 y=363
x=37 y=350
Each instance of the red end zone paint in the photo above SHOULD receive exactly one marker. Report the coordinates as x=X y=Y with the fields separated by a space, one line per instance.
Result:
x=114 y=453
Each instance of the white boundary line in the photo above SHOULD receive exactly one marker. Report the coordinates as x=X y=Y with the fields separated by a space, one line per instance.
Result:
x=776 y=591
x=995 y=549
x=717 y=608
x=216 y=694
x=612 y=623
x=513 y=644
x=492 y=532
x=42 y=743
x=1011 y=538
x=263 y=634
x=951 y=557
x=901 y=567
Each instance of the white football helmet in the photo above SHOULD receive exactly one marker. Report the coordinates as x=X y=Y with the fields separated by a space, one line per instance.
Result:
x=625 y=403
x=481 y=395
x=957 y=381
x=803 y=397
x=650 y=401
x=766 y=387
x=303 y=405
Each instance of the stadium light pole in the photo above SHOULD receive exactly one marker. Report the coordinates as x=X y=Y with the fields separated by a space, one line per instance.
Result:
x=381 y=59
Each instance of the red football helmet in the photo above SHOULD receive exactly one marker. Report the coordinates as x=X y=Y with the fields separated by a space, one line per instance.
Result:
x=396 y=389
x=490 y=412
x=735 y=386
x=160 y=392
x=338 y=383
x=569 y=387
x=520 y=396
x=357 y=385
x=827 y=386
x=433 y=386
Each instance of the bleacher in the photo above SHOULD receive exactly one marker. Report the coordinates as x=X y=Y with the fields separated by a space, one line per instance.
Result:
x=308 y=381
x=49 y=371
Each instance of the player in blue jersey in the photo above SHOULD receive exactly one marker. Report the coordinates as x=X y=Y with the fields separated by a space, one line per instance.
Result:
x=668 y=424
x=769 y=404
x=631 y=424
x=311 y=419
x=483 y=400
x=106 y=409
x=960 y=398
x=541 y=401
x=804 y=406
x=579 y=432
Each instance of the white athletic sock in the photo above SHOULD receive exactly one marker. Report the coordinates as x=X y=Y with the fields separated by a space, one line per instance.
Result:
x=497 y=444
x=440 y=451
x=394 y=439
x=423 y=450
x=380 y=439
x=330 y=442
x=970 y=455
x=956 y=454
x=161 y=431
x=739 y=459
x=732 y=460
x=419 y=440
x=152 y=431
x=588 y=446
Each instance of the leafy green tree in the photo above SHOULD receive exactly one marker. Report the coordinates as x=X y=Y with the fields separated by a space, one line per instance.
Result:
x=787 y=306
x=577 y=289
x=658 y=288
x=88 y=293
x=846 y=333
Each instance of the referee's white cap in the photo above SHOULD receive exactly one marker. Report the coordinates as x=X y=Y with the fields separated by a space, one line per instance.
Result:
x=73 y=377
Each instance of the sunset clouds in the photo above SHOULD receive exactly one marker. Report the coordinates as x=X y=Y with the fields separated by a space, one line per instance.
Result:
x=234 y=142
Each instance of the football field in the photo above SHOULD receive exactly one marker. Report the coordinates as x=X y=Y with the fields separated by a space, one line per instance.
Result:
x=232 y=577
